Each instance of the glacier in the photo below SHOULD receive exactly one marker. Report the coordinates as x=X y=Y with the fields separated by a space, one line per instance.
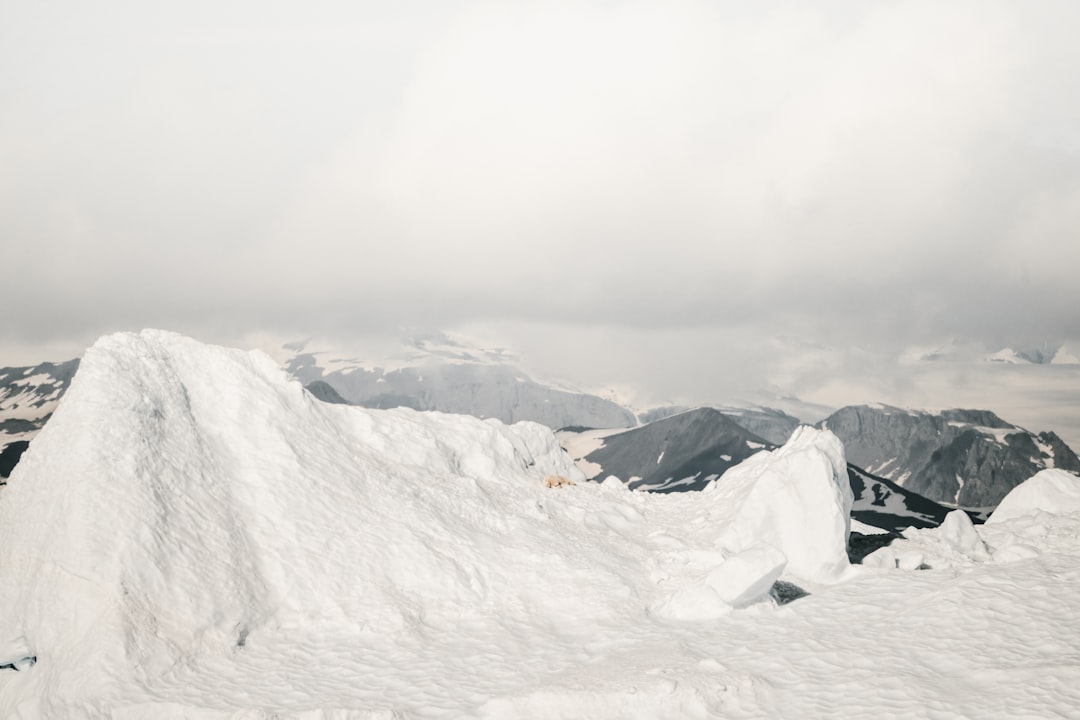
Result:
x=193 y=535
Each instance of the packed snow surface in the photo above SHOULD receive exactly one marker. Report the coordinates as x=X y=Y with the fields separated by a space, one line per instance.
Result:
x=194 y=536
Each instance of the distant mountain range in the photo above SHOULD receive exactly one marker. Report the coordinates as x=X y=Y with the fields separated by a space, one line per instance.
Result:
x=465 y=383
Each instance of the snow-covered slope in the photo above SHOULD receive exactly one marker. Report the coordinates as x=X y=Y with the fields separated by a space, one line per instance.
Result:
x=28 y=396
x=194 y=535
x=967 y=458
x=1053 y=491
x=434 y=372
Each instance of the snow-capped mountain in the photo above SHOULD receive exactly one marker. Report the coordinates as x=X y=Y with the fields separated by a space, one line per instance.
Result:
x=28 y=397
x=435 y=372
x=966 y=458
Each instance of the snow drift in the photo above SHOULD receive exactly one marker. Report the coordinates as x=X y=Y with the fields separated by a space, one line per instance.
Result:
x=1050 y=490
x=193 y=530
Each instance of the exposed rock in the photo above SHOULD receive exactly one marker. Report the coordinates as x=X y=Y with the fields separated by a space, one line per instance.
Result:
x=968 y=458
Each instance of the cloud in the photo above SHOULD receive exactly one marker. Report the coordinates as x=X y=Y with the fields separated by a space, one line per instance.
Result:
x=855 y=174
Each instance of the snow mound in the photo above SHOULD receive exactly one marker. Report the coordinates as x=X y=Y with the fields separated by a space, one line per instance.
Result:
x=1051 y=490
x=194 y=530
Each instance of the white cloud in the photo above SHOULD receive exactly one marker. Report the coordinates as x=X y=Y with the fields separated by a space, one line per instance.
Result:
x=859 y=174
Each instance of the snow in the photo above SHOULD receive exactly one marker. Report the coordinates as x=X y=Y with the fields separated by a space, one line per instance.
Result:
x=958 y=531
x=864 y=529
x=1008 y=356
x=1051 y=490
x=194 y=536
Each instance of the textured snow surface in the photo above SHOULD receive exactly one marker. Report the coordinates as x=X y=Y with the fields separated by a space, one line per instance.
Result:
x=1048 y=490
x=194 y=536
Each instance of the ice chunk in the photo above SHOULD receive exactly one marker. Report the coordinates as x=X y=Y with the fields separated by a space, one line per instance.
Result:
x=796 y=498
x=745 y=578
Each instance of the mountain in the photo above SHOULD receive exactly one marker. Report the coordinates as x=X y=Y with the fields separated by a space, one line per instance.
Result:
x=966 y=458
x=28 y=397
x=679 y=453
x=775 y=426
x=438 y=373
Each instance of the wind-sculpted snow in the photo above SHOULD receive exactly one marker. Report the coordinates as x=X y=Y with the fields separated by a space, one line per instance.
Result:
x=193 y=530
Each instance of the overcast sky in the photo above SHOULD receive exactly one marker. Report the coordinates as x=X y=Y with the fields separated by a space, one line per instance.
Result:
x=699 y=197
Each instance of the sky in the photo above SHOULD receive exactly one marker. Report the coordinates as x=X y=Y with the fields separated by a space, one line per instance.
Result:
x=693 y=200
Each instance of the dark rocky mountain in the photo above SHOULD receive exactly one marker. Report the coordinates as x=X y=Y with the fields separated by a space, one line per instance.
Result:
x=966 y=458
x=675 y=454
x=771 y=424
x=28 y=396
